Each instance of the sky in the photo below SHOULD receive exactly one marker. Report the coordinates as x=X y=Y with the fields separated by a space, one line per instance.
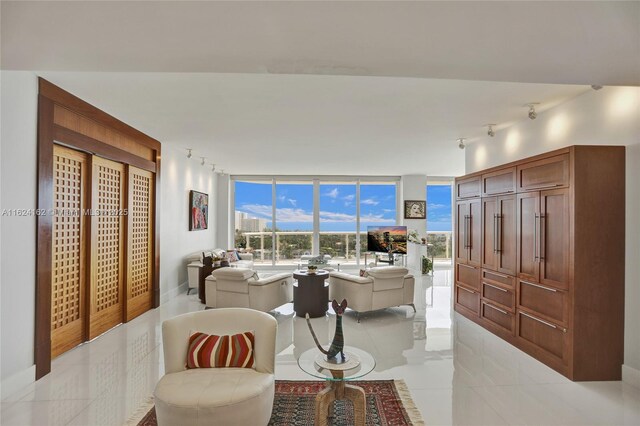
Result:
x=294 y=205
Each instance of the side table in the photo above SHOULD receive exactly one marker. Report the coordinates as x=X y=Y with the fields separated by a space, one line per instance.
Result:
x=310 y=293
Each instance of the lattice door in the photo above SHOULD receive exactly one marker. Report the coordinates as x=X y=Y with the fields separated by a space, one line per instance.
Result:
x=107 y=237
x=68 y=272
x=139 y=282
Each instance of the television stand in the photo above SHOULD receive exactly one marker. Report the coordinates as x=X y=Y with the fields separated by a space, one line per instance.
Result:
x=398 y=259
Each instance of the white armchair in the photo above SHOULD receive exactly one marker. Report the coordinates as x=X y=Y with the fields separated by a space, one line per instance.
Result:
x=241 y=288
x=217 y=396
x=382 y=287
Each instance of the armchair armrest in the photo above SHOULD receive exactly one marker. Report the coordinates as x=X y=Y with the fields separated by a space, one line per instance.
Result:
x=246 y=256
x=272 y=279
x=348 y=277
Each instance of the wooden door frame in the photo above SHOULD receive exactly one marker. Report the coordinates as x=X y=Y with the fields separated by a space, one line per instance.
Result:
x=50 y=96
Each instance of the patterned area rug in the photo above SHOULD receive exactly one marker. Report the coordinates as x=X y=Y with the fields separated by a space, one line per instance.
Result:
x=388 y=403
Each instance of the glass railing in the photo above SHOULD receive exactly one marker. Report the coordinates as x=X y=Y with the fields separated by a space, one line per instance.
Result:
x=440 y=244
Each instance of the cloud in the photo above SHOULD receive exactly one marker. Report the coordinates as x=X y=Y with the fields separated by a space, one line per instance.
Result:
x=299 y=215
x=436 y=206
x=281 y=197
x=332 y=194
x=349 y=197
x=369 y=202
x=293 y=202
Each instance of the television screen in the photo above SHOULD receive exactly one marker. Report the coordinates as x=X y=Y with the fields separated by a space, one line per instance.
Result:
x=381 y=238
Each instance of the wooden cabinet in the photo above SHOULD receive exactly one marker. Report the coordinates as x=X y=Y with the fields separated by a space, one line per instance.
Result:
x=551 y=273
x=547 y=173
x=499 y=234
x=468 y=236
x=499 y=182
x=468 y=187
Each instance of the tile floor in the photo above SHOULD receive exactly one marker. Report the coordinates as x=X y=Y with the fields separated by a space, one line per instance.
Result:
x=457 y=372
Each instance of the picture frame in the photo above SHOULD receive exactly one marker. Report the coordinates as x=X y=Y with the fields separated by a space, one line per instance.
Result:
x=415 y=209
x=198 y=211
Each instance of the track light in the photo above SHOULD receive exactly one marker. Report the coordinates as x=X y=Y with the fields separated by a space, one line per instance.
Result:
x=532 y=110
x=213 y=167
x=490 y=131
x=596 y=87
x=461 y=143
x=189 y=154
x=202 y=162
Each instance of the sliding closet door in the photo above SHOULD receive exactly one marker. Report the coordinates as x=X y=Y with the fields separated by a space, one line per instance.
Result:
x=139 y=282
x=107 y=246
x=68 y=271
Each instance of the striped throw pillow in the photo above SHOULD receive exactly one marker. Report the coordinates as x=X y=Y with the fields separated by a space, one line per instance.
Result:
x=211 y=351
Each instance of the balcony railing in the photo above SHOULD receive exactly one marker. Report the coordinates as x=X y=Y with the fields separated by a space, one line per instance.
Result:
x=340 y=245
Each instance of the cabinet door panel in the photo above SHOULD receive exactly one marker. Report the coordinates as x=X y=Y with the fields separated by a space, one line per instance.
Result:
x=527 y=241
x=498 y=316
x=468 y=299
x=545 y=336
x=554 y=238
x=468 y=188
x=475 y=232
x=547 y=302
x=468 y=276
x=462 y=223
x=500 y=182
x=544 y=174
x=507 y=235
x=489 y=234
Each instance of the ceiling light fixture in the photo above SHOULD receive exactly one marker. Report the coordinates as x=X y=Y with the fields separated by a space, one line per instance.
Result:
x=213 y=167
x=532 y=110
x=189 y=154
x=596 y=87
x=461 y=143
x=490 y=131
x=202 y=162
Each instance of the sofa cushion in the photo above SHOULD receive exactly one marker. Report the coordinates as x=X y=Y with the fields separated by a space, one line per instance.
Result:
x=233 y=256
x=212 y=351
x=233 y=274
x=388 y=272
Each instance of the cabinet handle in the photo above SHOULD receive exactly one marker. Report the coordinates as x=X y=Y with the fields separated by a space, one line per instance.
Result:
x=499 y=233
x=535 y=237
x=495 y=233
x=466 y=231
x=467 y=266
x=539 y=286
x=496 y=287
x=564 y=330
x=553 y=185
x=469 y=242
x=493 y=307
x=543 y=236
x=468 y=291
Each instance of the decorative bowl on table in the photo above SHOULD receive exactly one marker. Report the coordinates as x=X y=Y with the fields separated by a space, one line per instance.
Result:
x=312 y=269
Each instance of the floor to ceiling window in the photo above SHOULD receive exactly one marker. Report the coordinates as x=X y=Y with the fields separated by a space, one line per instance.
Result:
x=439 y=218
x=294 y=220
x=283 y=219
x=254 y=218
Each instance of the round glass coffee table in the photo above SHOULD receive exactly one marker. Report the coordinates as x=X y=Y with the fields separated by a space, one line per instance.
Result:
x=336 y=379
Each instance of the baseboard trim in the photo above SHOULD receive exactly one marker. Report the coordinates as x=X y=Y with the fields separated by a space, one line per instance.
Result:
x=18 y=381
x=631 y=376
x=168 y=295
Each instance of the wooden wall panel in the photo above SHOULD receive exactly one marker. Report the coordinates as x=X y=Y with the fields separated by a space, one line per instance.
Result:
x=72 y=121
x=68 y=280
x=140 y=243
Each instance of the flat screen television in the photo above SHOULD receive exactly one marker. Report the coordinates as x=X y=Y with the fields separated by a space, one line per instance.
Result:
x=379 y=238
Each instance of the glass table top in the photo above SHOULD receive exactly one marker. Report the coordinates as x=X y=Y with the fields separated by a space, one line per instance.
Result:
x=307 y=363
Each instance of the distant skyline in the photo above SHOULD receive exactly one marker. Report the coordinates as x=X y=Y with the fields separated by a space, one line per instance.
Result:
x=294 y=205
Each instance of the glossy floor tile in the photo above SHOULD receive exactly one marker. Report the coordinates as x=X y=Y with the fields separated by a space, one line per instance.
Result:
x=458 y=373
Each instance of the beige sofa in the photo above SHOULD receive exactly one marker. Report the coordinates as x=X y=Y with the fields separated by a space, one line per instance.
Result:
x=194 y=263
x=241 y=288
x=216 y=396
x=382 y=287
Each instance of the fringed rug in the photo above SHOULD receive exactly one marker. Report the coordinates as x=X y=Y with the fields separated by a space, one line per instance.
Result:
x=388 y=403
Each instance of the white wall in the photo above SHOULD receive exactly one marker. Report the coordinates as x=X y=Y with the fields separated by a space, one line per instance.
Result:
x=18 y=190
x=610 y=116
x=180 y=175
x=222 y=207
x=18 y=187
x=414 y=187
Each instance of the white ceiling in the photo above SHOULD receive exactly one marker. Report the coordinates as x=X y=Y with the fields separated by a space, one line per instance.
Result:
x=287 y=124
x=323 y=87
x=531 y=42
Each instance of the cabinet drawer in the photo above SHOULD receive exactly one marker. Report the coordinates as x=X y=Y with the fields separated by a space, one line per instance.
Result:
x=499 y=182
x=468 y=276
x=548 y=173
x=495 y=277
x=498 y=316
x=468 y=188
x=550 y=303
x=548 y=337
x=499 y=295
x=468 y=298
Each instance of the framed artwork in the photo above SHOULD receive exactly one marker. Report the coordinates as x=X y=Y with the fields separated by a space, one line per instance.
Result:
x=198 y=211
x=415 y=209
